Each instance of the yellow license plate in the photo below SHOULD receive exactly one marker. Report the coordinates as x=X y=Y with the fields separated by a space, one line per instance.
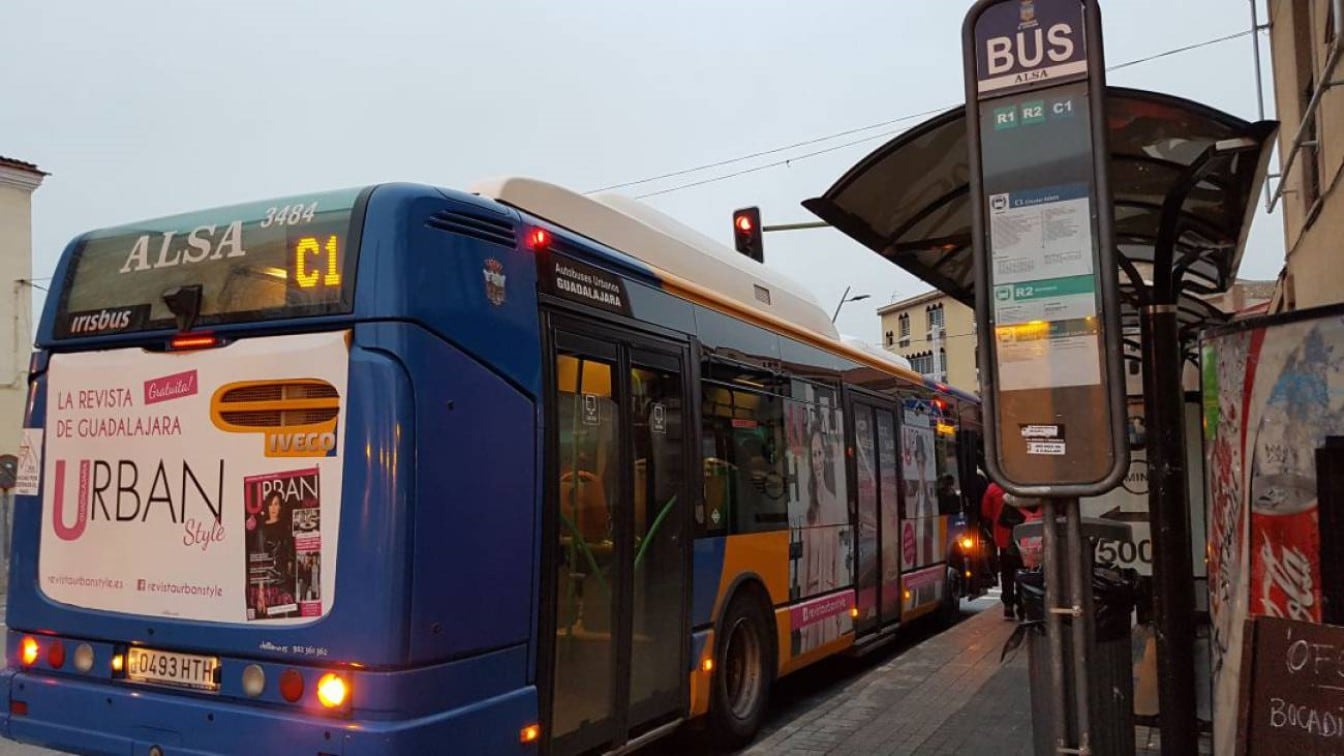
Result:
x=151 y=665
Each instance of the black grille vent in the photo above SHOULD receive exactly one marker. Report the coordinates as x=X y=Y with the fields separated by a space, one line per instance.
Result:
x=493 y=230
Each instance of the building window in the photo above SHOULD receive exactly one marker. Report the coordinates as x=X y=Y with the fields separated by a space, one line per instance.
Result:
x=890 y=339
x=935 y=317
x=903 y=326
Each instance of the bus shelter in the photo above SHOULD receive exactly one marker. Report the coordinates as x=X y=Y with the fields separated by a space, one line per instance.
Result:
x=1185 y=178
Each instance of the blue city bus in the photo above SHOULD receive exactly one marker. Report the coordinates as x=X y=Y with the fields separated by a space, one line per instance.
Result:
x=406 y=470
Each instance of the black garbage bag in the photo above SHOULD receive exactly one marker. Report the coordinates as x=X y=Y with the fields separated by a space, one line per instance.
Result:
x=1114 y=593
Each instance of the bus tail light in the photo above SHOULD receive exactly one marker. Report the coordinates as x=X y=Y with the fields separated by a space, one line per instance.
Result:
x=538 y=239
x=291 y=685
x=332 y=690
x=29 y=650
x=18 y=708
x=530 y=734
x=83 y=657
x=56 y=654
x=254 y=680
x=193 y=341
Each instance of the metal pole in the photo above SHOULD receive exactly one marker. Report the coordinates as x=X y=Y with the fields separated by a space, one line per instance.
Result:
x=1080 y=585
x=843 y=297
x=1173 y=577
x=1255 y=42
x=1054 y=627
x=795 y=226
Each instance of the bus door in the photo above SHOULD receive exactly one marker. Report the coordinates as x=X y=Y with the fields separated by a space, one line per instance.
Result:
x=617 y=538
x=878 y=579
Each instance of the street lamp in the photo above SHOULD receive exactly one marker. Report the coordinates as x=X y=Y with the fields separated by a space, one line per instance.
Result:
x=847 y=298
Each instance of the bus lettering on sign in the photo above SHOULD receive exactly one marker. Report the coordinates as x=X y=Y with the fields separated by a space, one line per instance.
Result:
x=1026 y=43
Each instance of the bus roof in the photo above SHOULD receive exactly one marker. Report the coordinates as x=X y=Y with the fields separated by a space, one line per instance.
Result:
x=666 y=244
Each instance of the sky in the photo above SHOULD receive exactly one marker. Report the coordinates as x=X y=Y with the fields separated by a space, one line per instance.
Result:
x=141 y=109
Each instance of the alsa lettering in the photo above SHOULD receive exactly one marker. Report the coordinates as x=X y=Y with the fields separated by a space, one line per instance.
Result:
x=300 y=444
x=1033 y=46
x=203 y=243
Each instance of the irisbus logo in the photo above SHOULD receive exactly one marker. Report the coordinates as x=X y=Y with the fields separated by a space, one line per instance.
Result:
x=296 y=417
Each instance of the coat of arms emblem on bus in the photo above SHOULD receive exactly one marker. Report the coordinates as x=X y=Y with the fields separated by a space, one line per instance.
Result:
x=494 y=281
x=296 y=416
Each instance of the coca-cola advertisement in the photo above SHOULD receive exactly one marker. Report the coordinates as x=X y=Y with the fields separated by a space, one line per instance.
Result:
x=1273 y=394
x=284 y=544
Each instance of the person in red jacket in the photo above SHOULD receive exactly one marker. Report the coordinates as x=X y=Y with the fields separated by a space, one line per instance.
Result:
x=991 y=511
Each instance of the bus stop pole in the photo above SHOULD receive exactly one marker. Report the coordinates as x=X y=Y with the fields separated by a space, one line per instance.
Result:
x=1174 y=590
x=1080 y=589
x=1054 y=625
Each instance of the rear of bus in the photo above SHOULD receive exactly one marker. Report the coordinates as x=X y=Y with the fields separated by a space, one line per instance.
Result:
x=281 y=490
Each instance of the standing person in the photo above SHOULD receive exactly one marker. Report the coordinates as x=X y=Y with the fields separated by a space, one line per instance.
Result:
x=993 y=509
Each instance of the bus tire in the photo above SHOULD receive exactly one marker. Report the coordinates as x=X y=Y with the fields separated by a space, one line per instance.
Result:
x=744 y=664
x=951 y=608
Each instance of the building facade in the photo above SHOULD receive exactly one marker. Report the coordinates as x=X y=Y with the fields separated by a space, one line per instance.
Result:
x=1303 y=35
x=936 y=333
x=18 y=180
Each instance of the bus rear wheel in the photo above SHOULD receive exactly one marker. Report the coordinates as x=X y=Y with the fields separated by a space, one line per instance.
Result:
x=951 y=608
x=744 y=661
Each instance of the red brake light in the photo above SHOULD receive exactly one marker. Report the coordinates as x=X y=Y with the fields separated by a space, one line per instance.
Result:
x=56 y=654
x=193 y=341
x=744 y=223
x=538 y=239
x=291 y=685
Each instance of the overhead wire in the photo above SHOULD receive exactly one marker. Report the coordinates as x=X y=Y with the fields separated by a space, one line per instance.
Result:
x=847 y=132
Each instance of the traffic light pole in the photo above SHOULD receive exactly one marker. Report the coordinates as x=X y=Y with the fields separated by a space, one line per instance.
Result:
x=796 y=226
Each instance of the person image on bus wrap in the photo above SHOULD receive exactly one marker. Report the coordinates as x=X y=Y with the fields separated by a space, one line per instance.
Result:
x=274 y=539
x=821 y=543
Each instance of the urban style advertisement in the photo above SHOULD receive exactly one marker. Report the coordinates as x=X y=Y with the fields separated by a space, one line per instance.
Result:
x=179 y=485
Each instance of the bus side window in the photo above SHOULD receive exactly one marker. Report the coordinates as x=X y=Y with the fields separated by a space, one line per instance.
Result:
x=743 y=464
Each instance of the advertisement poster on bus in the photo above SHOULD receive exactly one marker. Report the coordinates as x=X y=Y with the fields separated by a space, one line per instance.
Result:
x=821 y=539
x=922 y=535
x=178 y=485
x=1274 y=392
x=284 y=544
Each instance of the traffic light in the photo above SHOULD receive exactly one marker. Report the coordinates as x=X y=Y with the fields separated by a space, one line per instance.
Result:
x=747 y=233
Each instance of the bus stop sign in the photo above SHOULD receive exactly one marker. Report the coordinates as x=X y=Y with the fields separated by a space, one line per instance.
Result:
x=1046 y=300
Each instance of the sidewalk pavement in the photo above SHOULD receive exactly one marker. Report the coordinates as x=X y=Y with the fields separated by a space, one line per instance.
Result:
x=948 y=696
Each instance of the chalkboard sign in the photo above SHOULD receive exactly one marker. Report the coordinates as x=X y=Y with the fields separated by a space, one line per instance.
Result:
x=1292 y=688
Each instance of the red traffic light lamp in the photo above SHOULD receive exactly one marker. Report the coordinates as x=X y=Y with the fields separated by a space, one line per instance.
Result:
x=747 y=233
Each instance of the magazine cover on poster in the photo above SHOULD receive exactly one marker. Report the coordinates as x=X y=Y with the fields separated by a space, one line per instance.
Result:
x=168 y=490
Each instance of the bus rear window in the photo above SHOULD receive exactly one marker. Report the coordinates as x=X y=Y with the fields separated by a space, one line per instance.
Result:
x=268 y=260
